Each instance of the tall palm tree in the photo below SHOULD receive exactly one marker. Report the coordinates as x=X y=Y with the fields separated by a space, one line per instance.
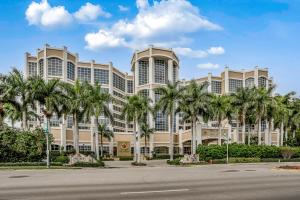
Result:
x=98 y=101
x=135 y=110
x=262 y=99
x=146 y=131
x=282 y=114
x=168 y=100
x=3 y=96
x=76 y=106
x=21 y=94
x=195 y=104
x=104 y=132
x=242 y=100
x=221 y=110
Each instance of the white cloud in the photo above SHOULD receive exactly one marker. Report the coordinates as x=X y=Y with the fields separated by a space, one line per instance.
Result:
x=123 y=8
x=163 y=22
x=208 y=66
x=90 y=12
x=103 y=39
x=42 y=14
x=216 y=50
x=188 y=52
x=142 y=4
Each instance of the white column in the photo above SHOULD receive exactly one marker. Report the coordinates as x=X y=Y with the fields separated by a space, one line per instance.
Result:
x=63 y=133
x=209 y=82
x=180 y=142
x=256 y=77
x=45 y=63
x=170 y=70
x=111 y=147
x=92 y=72
x=198 y=133
x=65 y=64
x=226 y=73
x=244 y=77
x=151 y=71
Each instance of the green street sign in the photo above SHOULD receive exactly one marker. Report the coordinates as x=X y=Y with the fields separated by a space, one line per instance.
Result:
x=45 y=128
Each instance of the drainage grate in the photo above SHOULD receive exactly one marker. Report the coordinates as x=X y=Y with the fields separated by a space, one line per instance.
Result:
x=24 y=176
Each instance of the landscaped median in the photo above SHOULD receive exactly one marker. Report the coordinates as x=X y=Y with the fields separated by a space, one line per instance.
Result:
x=239 y=153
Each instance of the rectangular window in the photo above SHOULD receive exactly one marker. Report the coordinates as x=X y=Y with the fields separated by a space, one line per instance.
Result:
x=101 y=76
x=160 y=71
x=143 y=72
x=41 y=67
x=216 y=87
x=174 y=73
x=118 y=82
x=234 y=84
x=249 y=83
x=54 y=67
x=161 y=119
x=129 y=86
x=71 y=71
x=84 y=74
x=32 y=69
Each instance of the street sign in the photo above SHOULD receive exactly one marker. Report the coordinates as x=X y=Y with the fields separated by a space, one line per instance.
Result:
x=45 y=128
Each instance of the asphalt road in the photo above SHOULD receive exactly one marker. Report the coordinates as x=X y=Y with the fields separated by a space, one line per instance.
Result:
x=255 y=181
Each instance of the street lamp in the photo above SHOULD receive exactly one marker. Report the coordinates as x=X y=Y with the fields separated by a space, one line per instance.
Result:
x=227 y=145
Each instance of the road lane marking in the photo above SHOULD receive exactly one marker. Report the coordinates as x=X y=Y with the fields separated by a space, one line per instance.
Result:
x=154 y=191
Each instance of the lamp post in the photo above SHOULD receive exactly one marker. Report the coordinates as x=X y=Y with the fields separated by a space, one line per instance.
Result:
x=227 y=149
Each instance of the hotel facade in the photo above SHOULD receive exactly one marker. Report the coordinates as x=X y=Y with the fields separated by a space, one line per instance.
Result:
x=150 y=68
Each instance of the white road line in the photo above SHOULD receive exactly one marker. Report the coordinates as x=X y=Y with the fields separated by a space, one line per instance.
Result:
x=154 y=191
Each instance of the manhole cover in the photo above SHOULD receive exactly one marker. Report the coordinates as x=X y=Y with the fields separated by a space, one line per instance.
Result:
x=233 y=170
x=24 y=176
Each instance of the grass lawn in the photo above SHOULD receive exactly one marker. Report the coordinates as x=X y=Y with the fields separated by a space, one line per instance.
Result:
x=36 y=167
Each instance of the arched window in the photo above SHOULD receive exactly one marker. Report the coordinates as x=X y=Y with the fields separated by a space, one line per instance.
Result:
x=249 y=83
x=54 y=67
x=71 y=71
x=143 y=72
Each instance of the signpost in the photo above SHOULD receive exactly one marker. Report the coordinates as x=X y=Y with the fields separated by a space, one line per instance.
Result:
x=46 y=131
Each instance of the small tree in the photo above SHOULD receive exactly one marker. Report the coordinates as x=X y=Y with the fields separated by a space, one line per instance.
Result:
x=104 y=132
x=146 y=131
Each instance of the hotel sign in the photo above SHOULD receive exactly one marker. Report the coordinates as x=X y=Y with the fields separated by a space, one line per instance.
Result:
x=124 y=149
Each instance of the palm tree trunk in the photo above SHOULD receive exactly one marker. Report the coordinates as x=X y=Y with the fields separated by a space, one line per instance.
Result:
x=259 y=131
x=171 y=149
x=101 y=145
x=24 y=120
x=294 y=134
x=139 y=144
x=281 y=134
x=97 y=139
x=244 y=129
x=220 y=134
x=249 y=134
x=238 y=130
x=75 y=134
x=134 y=141
x=270 y=133
x=194 y=136
x=145 y=146
x=285 y=135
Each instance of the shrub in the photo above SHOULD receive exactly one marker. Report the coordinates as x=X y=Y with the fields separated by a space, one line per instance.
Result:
x=165 y=156
x=22 y=146
x=84 y=164
x=174 y=162
x=62 y=159
x=213 y=152
x=126 y=158
x=288 y=152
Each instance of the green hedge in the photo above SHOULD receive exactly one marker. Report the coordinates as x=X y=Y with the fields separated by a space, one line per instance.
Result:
x=213 y=152
x=165 y=156
x=83 y=164
x=15 y=164
x=126 y=158
x=236 y=160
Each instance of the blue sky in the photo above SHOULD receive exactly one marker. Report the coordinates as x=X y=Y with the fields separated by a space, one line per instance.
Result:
x=206 y=34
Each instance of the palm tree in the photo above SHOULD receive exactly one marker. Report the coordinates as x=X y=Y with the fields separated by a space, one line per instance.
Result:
x=262 y=99
x=195 y=103
x=76 y=106
x=11 y=113
x=98 y=101
x=4 y=93
x=242 y=100
x=221 y=110
x=135 y=110
x=146 y=131
x=282 y=113
x=104 y=132
x=168 y=100
x=21 y=94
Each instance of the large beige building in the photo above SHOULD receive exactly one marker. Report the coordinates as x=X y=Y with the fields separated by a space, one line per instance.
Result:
x=151 y=68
